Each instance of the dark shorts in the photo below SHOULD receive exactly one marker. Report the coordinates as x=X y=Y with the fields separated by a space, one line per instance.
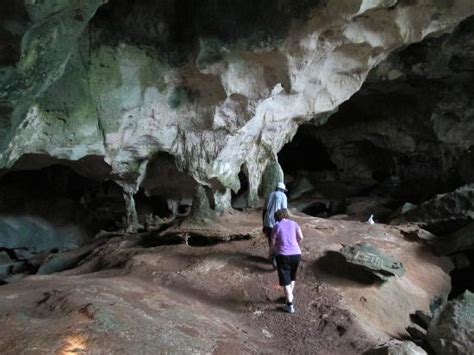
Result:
x=287 y=265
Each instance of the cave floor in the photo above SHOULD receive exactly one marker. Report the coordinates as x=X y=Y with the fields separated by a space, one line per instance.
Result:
x=129 y=296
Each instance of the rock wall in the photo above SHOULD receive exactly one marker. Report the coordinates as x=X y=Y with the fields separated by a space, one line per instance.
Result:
x=408 y=132
x=219 y=85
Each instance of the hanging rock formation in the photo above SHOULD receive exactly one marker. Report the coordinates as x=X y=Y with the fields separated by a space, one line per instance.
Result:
x=218 y=85
x=405 y=136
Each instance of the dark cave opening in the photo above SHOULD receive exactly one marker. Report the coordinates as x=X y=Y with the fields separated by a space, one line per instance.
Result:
x=386 y=145
x=11 y=11
x=239 y=199
x=153 y=241
x=198 y=240
x=61 y=196
x=461 y=276
x=306 y=153
x=317 y=209
x=151 y=206
x=194 y=240
x=201 y=241
x=165 y=191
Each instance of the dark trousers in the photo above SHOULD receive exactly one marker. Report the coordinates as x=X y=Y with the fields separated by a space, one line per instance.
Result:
x=268 y=232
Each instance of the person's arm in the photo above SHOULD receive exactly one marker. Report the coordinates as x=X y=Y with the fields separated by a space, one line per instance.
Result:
x=299 y=234
x=284 y=203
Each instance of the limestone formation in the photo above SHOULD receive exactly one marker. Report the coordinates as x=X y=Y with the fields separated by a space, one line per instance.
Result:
x=214 y=98
x=407 y=134
x=452 y=328
x=444 y=213
x=460 y=241
x=36 y=235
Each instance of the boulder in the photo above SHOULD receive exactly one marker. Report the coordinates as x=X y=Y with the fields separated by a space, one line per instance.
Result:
x=37 y=235
x=362 y=207
x=414 y=232
x=457 y=242
x=444 y=213
x=372 y=259
x=300 y=186
x=452 y=328
x=6 y=264
x=22 y=254
x=405 y=208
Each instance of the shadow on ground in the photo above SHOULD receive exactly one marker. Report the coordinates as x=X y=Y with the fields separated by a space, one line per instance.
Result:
x=333 y=267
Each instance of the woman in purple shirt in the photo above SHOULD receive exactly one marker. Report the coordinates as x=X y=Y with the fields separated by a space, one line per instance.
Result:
x=285 y=242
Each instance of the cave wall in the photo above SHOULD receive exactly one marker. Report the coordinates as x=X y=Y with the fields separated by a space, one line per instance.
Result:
x=216 y=84
x=410 y=126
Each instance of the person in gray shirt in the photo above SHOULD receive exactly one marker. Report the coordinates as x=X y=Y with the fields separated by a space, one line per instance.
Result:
x=276 y=201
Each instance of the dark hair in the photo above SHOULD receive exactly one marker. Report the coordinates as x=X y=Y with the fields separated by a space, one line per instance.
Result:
x=281 y=214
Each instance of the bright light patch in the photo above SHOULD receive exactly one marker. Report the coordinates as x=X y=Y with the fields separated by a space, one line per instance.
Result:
x=74 y=344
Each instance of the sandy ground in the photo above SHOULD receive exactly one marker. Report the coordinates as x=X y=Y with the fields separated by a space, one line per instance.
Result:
x=136 y=294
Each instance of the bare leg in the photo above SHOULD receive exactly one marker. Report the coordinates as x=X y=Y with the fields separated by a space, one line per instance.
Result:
x=289 y=293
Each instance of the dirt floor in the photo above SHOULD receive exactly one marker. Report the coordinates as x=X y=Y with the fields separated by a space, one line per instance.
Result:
x=211 y=289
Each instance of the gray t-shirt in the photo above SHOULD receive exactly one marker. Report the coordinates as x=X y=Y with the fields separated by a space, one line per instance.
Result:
x=276 y=201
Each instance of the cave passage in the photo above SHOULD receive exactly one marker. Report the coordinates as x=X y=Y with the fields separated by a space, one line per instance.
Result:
x=305 y=154
x=165 y=191
x=61 y=196
x=239 y=199
x=461 y=276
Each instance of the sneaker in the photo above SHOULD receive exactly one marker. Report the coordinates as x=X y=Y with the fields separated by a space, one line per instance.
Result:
x=290 y=308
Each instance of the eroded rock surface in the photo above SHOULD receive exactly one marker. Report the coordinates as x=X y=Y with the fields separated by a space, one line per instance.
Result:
x=220 y=96
x=445 y=213
x=147 y=294
x=405 y=136
x=452 y=328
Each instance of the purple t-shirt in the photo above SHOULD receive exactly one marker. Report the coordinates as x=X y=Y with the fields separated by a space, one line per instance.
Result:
x=286 y=235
